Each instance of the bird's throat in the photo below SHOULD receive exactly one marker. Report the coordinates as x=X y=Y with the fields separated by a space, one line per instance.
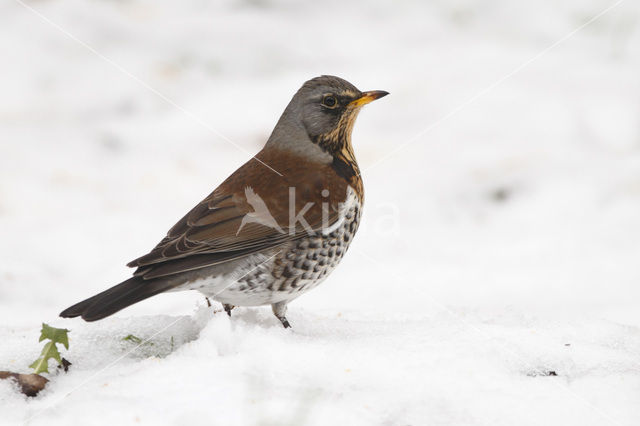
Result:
x=338 y=143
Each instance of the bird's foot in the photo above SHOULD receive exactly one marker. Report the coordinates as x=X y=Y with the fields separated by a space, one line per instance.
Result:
x=227 y=308
x=284 y=322
x=279 y=310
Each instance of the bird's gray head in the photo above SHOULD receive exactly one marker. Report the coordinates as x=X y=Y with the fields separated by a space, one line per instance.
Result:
x=322 y=112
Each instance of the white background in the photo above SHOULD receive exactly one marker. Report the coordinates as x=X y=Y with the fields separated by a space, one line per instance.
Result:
x=501 y=230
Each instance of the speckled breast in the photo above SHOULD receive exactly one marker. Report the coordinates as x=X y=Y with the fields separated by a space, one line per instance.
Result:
x=299 y=266
x=310 y=260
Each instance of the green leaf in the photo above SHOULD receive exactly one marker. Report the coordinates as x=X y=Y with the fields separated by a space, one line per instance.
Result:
x=50 y=350
x=137 y=340
x=132 y=338
x=57 y=335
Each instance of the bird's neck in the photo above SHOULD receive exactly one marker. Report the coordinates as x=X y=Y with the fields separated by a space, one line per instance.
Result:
x=338 y=144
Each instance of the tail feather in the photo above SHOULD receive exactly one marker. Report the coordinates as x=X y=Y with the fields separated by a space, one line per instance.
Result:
x=116 y=298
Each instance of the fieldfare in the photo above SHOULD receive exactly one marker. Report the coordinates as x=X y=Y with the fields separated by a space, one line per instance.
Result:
x=275 y=228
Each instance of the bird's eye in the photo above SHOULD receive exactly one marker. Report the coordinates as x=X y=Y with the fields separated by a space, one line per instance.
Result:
x=329 y=101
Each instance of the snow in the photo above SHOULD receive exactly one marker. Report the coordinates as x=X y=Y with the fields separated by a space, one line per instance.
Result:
x=500 y=231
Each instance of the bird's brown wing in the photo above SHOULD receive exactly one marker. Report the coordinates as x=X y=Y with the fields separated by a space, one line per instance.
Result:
x=222 y=227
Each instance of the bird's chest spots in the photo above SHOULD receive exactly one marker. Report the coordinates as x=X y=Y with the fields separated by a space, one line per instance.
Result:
x=310 y=260
x=299 y=265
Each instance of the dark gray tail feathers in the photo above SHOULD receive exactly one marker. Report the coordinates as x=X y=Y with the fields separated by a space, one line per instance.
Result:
x=116 y=298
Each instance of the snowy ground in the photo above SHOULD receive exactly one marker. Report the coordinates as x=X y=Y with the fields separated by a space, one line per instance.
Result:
x=501 y=233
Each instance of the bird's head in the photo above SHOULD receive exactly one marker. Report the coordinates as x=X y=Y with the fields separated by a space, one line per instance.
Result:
x=324 y=109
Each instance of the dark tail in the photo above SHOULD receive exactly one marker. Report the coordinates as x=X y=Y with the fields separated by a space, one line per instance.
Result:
x=116 y=298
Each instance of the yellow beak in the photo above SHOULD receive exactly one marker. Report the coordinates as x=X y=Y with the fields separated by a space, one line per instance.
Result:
x=367 y=97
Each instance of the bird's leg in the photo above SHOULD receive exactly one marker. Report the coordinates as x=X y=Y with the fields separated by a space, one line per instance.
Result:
x=227 y=308
x=279 y=310
x=208 y=302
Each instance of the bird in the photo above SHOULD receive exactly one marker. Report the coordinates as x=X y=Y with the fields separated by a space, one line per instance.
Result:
x=275 y=228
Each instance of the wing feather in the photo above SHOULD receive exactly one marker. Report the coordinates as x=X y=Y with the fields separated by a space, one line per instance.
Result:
x=222 y=227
